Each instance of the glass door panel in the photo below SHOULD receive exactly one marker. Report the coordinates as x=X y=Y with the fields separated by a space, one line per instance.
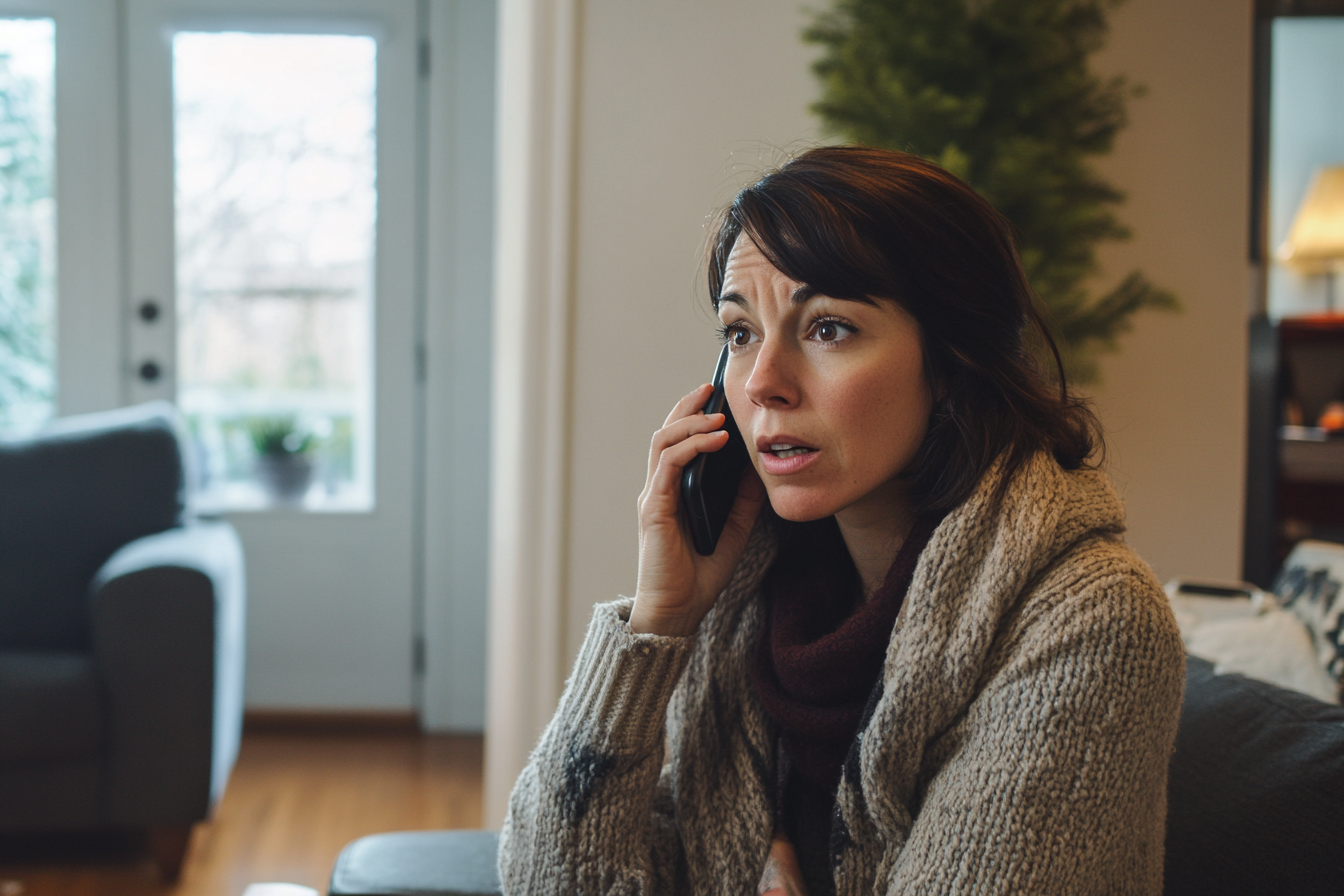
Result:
x=271 y=164
x=27 y=223
x=275 y=201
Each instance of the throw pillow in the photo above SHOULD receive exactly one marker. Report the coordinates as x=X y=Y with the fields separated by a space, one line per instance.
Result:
x=1309 y=586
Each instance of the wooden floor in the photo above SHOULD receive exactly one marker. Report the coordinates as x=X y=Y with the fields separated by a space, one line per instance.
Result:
x=293 y=801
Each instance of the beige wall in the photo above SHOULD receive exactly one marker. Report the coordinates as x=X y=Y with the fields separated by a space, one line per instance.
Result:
x=681 y=101
x=1174 y=400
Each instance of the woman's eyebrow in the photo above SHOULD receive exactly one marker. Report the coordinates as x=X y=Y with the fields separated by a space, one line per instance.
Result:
x=800 y=296
x=803 y=294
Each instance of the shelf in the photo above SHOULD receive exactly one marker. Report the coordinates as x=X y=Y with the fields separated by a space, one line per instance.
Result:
x=1311 y=458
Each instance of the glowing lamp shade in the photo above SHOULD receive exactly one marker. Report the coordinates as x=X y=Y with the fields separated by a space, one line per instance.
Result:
x=1315 y=245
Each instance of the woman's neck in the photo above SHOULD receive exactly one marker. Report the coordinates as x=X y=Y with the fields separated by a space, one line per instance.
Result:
x=874 y=529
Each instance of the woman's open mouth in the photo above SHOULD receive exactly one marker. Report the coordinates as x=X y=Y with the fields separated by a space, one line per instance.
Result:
x=783 y=458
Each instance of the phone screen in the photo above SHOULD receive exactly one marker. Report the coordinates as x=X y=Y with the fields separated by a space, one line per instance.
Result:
x=709 y=483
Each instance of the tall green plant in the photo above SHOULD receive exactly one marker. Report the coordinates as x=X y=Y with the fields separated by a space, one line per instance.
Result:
x=1000 y=93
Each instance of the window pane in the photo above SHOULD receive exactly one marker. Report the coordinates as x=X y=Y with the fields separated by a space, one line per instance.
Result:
x=27 y=223
x=275 y=206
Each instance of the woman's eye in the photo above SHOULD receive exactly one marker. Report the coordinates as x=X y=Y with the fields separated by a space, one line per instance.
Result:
x=736 y=335
x=830 y=331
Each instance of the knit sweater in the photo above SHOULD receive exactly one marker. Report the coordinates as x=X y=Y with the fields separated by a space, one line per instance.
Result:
x=1018 y=744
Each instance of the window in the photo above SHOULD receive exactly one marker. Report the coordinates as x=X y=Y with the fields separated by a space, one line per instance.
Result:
x=27 y=223
x=275 y=202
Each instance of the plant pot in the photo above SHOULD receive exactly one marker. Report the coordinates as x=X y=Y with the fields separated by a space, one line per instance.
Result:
x=285 y=477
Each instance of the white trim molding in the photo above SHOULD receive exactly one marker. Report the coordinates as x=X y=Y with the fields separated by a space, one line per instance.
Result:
x=538 y=55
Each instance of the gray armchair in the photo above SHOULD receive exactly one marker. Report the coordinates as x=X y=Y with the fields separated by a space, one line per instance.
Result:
x=121 y=633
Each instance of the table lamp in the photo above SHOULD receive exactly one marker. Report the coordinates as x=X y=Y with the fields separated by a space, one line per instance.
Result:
x=1315 y=244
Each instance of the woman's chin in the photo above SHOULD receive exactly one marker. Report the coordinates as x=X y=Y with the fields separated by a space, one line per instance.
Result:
x=800 y=505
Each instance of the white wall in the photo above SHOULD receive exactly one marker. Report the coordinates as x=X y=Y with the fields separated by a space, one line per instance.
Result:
x=88 y=165
x=1174 y=400
x=460 y=210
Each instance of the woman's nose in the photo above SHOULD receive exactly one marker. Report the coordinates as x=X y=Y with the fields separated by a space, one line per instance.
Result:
x=772 y=383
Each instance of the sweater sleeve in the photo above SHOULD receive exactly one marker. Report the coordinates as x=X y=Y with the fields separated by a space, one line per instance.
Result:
x=1054 y=781
x=589 y=813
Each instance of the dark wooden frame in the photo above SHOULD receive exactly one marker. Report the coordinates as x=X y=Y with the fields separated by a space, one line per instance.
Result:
x=1259 y=562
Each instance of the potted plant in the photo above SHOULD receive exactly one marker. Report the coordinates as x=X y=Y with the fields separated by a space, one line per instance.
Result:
x=284 y=462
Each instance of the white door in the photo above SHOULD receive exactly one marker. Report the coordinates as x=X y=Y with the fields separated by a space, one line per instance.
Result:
x=271 y=151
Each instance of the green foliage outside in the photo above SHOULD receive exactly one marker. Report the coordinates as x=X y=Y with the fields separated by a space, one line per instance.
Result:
x=26 y=290
x=278 y=436
x=237 y=440
x=999 y=92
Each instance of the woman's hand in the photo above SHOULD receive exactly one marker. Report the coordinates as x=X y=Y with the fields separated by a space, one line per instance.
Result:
x=677 y=585
x=782 y=876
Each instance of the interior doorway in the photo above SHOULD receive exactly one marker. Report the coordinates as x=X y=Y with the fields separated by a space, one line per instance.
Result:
x=1295 y=461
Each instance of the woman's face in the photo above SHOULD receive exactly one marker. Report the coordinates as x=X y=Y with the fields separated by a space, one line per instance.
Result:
x=830 y=394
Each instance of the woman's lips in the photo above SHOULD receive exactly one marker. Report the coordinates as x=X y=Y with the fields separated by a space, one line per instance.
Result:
x=792 y=461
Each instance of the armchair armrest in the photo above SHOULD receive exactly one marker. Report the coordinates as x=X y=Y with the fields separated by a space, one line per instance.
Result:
x=166 y=617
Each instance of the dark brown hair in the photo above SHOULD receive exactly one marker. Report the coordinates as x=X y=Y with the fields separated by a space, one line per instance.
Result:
x=856 y=222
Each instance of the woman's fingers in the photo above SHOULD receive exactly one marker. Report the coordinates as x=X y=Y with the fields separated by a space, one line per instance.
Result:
x=678 y=431
x=681 y=430
x=690 y=403
x=676 y=587
x=674 y=458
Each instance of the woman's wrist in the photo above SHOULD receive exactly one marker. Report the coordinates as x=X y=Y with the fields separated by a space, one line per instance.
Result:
x=664 y=625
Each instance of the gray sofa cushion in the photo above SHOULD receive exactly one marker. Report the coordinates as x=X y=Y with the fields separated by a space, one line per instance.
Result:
x=50 y=708
x=418 y=863
x=72 y=496
x=1255 y=790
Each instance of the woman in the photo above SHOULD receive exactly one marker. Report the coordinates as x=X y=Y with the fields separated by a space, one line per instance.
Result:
x=921 y=659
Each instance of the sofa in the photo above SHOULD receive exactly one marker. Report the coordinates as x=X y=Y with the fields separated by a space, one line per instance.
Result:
x=121 y=633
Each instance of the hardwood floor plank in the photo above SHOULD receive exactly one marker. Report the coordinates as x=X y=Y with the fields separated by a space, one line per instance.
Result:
x=293 y=801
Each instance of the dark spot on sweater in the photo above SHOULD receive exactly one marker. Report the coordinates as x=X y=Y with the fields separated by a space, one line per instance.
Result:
x=851 y=768
x=584 y=768
x=840 y=838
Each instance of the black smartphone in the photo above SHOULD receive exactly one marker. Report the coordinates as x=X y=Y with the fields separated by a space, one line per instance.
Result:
x=709 y=483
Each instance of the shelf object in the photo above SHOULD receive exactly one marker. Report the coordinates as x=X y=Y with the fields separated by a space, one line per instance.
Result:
x=1309 y=474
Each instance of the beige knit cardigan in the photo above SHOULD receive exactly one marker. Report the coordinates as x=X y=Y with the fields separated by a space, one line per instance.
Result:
x=1019 y=742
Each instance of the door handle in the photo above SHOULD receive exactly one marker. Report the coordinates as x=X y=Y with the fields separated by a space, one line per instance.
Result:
x=150 y=371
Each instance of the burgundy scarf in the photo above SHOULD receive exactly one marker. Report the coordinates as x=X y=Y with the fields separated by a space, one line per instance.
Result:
x=818 y=663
